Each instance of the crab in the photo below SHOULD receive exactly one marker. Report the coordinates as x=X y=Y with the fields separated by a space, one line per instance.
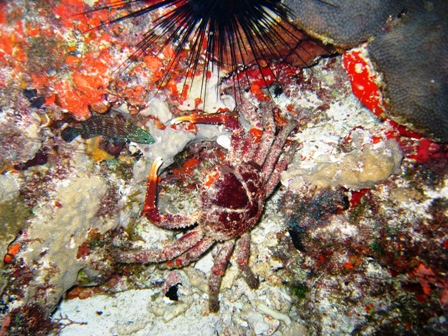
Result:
x=231 y=201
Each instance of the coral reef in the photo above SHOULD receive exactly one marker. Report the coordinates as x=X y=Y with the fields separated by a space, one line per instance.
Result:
x=338 y=256
x=345 y=252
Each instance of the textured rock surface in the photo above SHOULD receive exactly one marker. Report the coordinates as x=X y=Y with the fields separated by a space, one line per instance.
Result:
x=411 y=56
x=341 y=22
x=408 y=45
x=55 y=234
x=355 y=170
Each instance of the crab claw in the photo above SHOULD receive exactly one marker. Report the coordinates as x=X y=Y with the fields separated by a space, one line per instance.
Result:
x=149 y=209
x=212 y=118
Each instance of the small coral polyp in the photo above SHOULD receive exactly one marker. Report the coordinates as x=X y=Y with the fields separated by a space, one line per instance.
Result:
x=232 y=197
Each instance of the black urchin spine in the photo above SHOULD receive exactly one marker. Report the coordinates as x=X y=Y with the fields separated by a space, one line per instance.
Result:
x=228 y=34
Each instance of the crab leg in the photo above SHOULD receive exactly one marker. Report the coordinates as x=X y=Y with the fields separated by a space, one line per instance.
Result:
x=242 y=258
x=239 y=141
x=253 y=137
x=245 y=143
x=178 y=247
x=266 y=139
x=192 y=254
x=218 y=270
x=237 y=144
x=283 y=162
x=276 y=148
x=211 y=118
x=150 y=210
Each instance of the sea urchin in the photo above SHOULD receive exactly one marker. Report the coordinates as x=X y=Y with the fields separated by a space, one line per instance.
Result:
x=227 y=34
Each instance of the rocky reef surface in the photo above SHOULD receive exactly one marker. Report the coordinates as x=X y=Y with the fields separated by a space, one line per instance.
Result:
x=405 y=39
x=354 y=241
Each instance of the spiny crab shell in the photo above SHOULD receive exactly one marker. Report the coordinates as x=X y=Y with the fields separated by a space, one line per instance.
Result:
x=232 y=199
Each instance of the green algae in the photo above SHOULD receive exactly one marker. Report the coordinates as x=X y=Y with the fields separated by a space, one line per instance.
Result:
x=300 y=291
x=13 y=216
